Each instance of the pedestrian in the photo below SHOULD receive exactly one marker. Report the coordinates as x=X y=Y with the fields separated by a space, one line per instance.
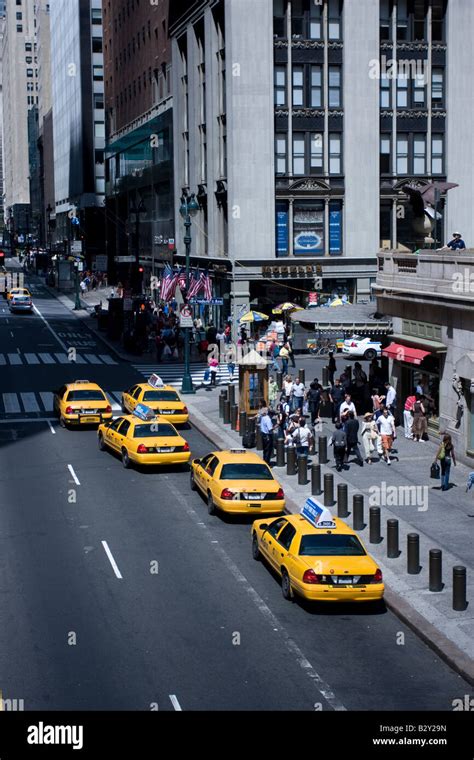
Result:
x=347 y=406
x=301 y=438
x=83 y=287
x=408 y=415
x=420 y=423
x=231 y=369
x=369 y=434
x=289 y=347
x=213 y=367
x=455 y=244
x=338 y=441
x=446 y=455
x=272 y=392
x=159 y=346
x=275 y=353
x=314 y=401
x=351 y=429
x=390 y=398
x=386 y=426
x=336 y=397
x=282 y=417
x=332 y=368
x=377 y=399
x=266 y=429
x=297 y=395
x=284 y=356
x=287 y=386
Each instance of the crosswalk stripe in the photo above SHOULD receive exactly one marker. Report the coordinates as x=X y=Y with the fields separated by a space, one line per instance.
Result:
x=2 y=359
x=47 y=399
x=32 y=359
x=107 y=359
x=10 y=402
x=30 y=403
x=116 y=406
x=92 y=358
x=14 y=359
x=79 y=360
x=62 y=358
x=46 y=358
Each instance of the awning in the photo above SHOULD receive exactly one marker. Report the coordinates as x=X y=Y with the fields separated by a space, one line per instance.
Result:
x=433 y=346
x=405 y=353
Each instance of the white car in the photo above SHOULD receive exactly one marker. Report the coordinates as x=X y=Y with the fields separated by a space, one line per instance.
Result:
x=19 y=302
x=365 y=348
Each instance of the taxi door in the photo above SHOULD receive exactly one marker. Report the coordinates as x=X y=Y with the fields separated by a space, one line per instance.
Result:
x=208 y=476
x=281 y=548
x=58 y=398
x=199 y=470
x=268 y=540
x=121 y=434
x=130 y=398
x=111 y=434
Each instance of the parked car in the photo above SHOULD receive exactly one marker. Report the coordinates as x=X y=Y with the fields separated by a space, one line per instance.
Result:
x=362 y=347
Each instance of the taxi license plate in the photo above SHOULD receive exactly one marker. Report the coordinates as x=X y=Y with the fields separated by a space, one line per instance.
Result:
x=90 y=418
x=89 y=412
x=167 y=411
x=164 y=450
x=254 y=496
x=344 y=580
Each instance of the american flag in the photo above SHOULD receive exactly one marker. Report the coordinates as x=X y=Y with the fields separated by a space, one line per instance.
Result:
x=182 y=279
x=168 y=283
x=207 y=287
x=194 y=285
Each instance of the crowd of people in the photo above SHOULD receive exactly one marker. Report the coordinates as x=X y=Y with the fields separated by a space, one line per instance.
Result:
x=92 y=281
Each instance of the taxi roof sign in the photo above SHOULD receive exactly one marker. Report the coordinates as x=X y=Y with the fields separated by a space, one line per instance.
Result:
x=155 y=381
x=318 y=515
x=144 y=412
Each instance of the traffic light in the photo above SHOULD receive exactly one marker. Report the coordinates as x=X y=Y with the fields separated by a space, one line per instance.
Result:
x=2 y=257
x=140 y=269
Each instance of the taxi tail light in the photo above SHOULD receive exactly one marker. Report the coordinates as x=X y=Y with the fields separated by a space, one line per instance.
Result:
x=108 y=409
x=227 y=494
x=186 y=446
x=311 y=577
x=69 y=410
x=280 y=494
x=142 y=449
x=185 y=410
x=378 y=577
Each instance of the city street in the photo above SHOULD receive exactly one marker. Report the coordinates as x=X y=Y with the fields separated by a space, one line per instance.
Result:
x=119 y=591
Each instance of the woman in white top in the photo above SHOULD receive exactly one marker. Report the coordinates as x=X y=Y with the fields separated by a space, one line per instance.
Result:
x=287 y=386
x=369 y=434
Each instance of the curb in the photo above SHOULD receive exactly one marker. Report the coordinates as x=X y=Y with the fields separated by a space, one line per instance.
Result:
x=444 y=647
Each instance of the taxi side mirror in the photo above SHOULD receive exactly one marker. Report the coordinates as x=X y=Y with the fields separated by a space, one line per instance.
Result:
x=197 y=461
x=264 y=527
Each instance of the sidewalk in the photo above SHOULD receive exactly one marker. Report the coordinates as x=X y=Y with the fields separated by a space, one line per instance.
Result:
x=443 y=520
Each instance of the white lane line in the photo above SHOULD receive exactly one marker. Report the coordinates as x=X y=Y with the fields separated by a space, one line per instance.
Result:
x=175 y=703
x=320 y=684
x=92 y=358
x=11 y=334
x=51 y=428
x=62 y=358
x=63 y=345
x=107 y=359
x=79 y=360
x=2 y=359
x=32 y=359
x=112 y=561
x=46 y=358
x=30 y=403
x=74 y=476
x=10 y=402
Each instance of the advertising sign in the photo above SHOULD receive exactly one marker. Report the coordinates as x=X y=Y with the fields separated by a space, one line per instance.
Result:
x=308 y=226
x=281 y=231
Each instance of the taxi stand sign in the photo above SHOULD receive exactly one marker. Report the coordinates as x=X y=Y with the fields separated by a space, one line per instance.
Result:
x=155 y=381
x=144 y=412
x=316 y=514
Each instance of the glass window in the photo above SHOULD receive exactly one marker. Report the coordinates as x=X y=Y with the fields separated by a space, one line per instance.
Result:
x=124 y=427
x=160 y=396
x=280 y=86
x=154 y=429
x=385 y=163
x=419 y=91
x=419 y=154
x=280 y=154
x=99 y=129
x=85 y=396
x=279 y=21
x=298 y=86
x=437 y=20
x=316 y=87
x=385 y=20
x=316 y=153
x=402 y=154
x=437 y=87
x=402 y=92
x=419 y=20
x=334 y=19
x=298 y=154
x=246 y=471
x=335 y=162
x=308 y=228
x=402 y=20
x=276 y=526
x=437 y=154
x=334 y=87
x=385 y=92
x=330 y=545
x=286 y=536
x=315 y=25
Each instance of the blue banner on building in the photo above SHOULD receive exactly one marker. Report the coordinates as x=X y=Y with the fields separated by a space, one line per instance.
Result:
x=335 y=229
x=282 y=231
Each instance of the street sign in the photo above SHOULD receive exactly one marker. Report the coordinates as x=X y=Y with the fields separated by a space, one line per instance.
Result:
x=101 y=263
x=76 y=246
x=204 y=302
x=185 y=316
x=80 y=266
x=124 y=259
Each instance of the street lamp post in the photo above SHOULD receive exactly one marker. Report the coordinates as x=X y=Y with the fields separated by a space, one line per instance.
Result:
x=77 y=305
x=189 y=208
x=137 y=210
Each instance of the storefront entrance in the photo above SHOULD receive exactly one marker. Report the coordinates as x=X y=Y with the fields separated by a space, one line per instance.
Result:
x=424 y=379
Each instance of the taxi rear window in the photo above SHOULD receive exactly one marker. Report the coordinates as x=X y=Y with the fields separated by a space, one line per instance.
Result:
x=246 y=472
x=331 y=545
x=21 y=298
x=86 y=396
x=160 y=396
x=153 y=430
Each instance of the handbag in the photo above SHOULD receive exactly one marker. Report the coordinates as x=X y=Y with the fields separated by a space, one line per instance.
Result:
x=435 y=471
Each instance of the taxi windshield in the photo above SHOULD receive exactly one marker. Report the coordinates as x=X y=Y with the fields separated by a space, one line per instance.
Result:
x=91 y=395
x=246 y=472
x=153 y=430
x=20 y=298
x=160 y=396
x=331 y=545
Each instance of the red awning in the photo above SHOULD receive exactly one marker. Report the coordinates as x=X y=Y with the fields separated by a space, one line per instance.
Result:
x=405 y=353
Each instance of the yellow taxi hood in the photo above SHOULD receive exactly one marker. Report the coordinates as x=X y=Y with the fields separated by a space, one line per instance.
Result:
x=340 y=565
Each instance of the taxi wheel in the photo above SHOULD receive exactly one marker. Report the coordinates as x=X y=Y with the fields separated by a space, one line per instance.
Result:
x=370 y=354
x=211 y=507
x=286 y=589
x=192 y=482
x=101 y=442
x=255 y=550
x=125 y=459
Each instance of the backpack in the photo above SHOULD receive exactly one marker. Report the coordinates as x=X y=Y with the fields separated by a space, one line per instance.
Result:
x=276 y=352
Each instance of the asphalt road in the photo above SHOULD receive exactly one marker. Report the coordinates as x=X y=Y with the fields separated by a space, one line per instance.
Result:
x=193 y=622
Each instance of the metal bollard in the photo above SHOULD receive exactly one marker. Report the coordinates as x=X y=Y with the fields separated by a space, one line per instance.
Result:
x=436 y=570
x=291 y=460
x=231 y=394
x=302 y=470
x=234 y=413
x=242 y=423
x=315 y=479
x=301 y=375
x=358 y=511
x=322 y=449
x=342 y=510
x=312 y=445
x=459 y=588
x=413 y=553
x=259 y=439
x=279 y=378
x=221 y=405
x=325 y=378
x=280 y=452
x=374 y=525
x=226 y=414
x=328 y=490
x=392 y=539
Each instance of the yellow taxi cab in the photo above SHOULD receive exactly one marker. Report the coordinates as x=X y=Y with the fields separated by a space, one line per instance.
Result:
x=18 y=292
x=81 y=403
x=144 y=439
x=237 y=481
x=163 y=399
x=317 y=557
